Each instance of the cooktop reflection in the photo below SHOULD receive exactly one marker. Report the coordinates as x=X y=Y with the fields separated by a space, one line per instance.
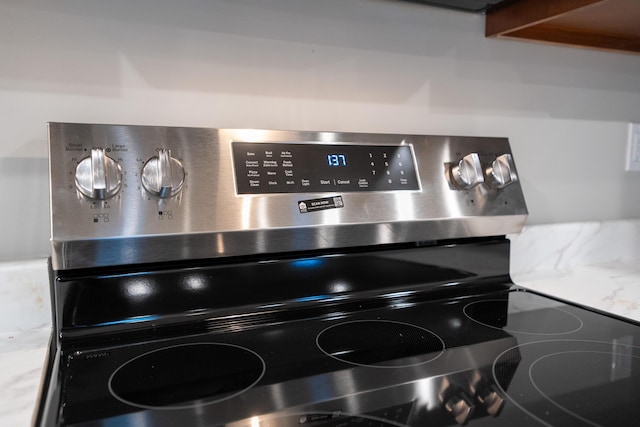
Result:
x=505 y=358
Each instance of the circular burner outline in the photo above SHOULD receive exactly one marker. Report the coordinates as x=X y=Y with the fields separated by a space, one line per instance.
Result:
x=581 y=323
x=200 y=402
x=557 y=405
x=522 y=408
x=384 y=321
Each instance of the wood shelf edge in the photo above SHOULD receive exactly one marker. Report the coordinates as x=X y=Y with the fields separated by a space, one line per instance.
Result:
x=576 y=39
x=523 y=14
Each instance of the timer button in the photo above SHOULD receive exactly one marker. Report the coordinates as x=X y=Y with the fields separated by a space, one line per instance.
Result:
x=502 y=171
x=163 y=175
x=98 y=176
x=467 y=173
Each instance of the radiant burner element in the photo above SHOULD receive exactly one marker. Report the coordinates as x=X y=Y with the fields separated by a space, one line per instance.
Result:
x=551 y=382
x=499 y=314
x=187 y=375
x=380 y=343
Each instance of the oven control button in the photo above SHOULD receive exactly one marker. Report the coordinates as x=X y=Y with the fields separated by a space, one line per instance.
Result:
x=467 y=173
x=502 y=171
x=163 y=175
x=98 y=176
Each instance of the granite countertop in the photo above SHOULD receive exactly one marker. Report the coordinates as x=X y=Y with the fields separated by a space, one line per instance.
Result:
x=594 y=264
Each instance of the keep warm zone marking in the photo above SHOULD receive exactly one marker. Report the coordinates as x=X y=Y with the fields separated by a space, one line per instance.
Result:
x=101 y=217
x=165 y=215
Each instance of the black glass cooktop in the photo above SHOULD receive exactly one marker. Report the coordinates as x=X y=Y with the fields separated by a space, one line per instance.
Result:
x=412 y=336
x=506 y=358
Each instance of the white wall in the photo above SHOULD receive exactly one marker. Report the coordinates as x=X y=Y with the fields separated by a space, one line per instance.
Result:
x=350 y=65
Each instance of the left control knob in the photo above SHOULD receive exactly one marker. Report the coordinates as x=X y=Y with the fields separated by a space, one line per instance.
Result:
x=98 y=176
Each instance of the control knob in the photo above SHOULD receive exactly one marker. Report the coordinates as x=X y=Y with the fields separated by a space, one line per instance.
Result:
x=98 y=176
x=502 y=171
x=460 y=406
x=163 y=175
x=467 y=173
x=492 y=400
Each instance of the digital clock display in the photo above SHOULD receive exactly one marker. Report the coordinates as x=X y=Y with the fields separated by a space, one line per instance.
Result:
x=296 y=167
x=336 y=160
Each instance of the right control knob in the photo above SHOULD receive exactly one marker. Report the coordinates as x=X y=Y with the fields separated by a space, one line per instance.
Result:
x=502 y=171
x=467 y=173
x=163 y=175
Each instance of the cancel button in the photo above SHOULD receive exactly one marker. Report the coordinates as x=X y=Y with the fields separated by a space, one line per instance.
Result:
x=344 y=182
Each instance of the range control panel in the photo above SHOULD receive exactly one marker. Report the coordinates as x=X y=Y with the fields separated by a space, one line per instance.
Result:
x=123 y=194
x=262 y=168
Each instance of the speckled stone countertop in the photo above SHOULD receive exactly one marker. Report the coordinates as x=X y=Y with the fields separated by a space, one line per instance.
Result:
x=595 y=264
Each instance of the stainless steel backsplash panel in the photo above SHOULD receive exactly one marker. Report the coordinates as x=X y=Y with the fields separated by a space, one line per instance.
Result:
x=208 y=218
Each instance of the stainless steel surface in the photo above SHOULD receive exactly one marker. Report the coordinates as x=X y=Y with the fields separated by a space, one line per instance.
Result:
x=207 y=218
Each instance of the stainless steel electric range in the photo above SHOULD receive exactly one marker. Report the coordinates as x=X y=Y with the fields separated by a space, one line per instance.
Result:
x=217 y=277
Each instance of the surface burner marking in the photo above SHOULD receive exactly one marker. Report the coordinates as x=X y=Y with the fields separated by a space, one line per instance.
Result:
x=536 y=354
x=380 y=343
x=186 y=375
x=511 y=315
